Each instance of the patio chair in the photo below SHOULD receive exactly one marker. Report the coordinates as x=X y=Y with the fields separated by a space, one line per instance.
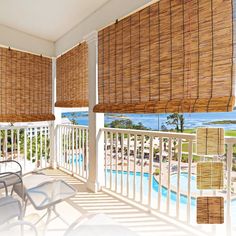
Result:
x=10 y=173
x=44 y=193
x=11 y=208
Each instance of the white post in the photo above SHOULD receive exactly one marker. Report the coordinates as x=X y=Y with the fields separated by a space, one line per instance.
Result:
x=53 y=124
x=96 y=120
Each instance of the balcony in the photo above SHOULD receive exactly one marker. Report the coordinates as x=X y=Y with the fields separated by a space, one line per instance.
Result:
x=109 y=56
x=149 y=181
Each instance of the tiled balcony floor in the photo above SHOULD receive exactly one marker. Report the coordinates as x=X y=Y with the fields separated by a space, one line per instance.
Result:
x=84 y=202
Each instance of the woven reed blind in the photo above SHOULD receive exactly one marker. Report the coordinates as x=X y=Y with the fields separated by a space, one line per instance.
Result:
x=72 y=77
x=210 y=210
x=210 y=141
x=172 y=56
x=25 y=87
x=210 y=175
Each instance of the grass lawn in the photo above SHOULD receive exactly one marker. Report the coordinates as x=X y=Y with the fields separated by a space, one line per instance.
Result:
x=192 y=131
x=230 y=133
x=185 y=147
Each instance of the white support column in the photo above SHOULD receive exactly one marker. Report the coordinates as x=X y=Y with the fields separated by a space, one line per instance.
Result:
x=53 y=124
x=96 y=120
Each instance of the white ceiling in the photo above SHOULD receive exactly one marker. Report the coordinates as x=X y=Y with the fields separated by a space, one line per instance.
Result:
x=47 y=19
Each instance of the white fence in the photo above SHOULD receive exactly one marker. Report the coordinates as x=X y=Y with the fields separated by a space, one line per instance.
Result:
x=72 y=150
x=29 y=145
x=157 y=170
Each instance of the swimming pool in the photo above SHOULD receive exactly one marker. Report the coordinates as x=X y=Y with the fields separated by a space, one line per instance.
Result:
x=155 y=188
x=155 y=185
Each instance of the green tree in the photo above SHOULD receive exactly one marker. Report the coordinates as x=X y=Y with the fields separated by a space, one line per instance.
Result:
x=7 y=141
x=181 y=120
x=35 y=152
x=74 y=122
x=177 y=120
x=127 y=124
x=73 y=117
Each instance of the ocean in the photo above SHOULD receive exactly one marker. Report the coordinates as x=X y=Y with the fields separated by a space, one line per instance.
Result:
x=192 y=120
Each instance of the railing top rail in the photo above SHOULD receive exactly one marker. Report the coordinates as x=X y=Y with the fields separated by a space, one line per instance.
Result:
x=73 y=126
x=22 y=127
x=229 y=139
x=152 y=133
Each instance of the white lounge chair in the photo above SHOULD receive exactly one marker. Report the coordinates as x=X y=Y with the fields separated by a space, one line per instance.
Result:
x=99 y=225
x=10 y=207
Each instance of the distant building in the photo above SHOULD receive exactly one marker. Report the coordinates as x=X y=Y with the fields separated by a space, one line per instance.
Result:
x=41 y=125
x=65 y=121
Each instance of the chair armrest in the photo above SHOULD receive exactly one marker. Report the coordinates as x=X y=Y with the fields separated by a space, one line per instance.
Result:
x=19 y=182
x=78 y=222
x=12 y=173
x=7 y=161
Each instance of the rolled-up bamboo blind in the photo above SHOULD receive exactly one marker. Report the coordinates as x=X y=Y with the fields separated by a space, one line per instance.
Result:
x=72 y=77
x=25 y=87
x=172 y=56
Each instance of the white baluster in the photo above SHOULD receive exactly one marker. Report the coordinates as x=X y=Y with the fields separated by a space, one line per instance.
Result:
x=128 y=166
x=178 y=177
x=135 y=159
x=190 y=156
x=160 y=175
x=142 y=172
x=150 y=172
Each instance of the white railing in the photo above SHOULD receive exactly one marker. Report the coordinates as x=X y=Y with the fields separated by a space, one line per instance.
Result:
x=157 y=170
x=72 y=141
x=29 y=145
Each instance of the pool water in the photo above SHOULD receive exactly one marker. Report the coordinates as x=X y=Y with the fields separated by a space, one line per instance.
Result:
x=77 y=158
x=155 y=185
x=184 y=182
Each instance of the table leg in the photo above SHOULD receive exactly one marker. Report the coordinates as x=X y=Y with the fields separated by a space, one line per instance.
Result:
x=58 y=215
x=49 y=213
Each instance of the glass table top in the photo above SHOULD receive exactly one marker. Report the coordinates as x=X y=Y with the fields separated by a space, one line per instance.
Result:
x=50 y=193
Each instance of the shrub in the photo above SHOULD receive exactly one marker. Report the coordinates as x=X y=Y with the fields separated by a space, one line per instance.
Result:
x=185 y=158
x=157 y=171
x=234 y=167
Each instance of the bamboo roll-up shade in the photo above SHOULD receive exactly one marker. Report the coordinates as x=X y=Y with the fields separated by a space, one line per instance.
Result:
x=210 y=141
x=210 y=175
x=172 y=56
x=210 y=210
x=25 y=87
x=72 y=77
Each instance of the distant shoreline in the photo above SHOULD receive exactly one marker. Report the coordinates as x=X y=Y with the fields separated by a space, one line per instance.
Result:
x=109 y=115
x=225 y=120
x=221 y=122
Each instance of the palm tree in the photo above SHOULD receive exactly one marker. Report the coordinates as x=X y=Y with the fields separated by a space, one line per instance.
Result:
x=181 y=120
x=74 y=116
